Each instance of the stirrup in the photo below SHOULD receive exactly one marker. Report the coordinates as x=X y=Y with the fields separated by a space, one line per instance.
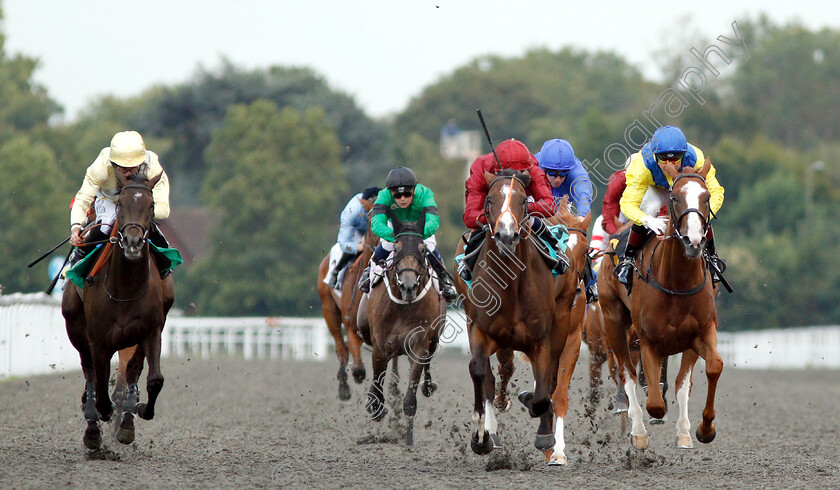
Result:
x=562 y=264
x=364 y=282
x=624 y=270
x=591 y=293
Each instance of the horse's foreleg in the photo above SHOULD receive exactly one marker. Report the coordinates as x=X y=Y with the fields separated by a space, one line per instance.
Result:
x=375 y=402
x=707 y=349
x=416 y=367
x=479 y=367
x=652 y=365
x=683 y=392
x=355 y=346
x=428 y=387
x=102 y=370
x=154 y=379
x=131 y=396
x=560 y=397
x=505 y=358
x=332 y=316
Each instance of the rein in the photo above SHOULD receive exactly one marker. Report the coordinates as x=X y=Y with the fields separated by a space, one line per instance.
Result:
x=119 y=237
x=420 y=273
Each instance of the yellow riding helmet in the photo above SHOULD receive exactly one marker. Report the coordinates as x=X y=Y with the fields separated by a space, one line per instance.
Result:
x=128 y=149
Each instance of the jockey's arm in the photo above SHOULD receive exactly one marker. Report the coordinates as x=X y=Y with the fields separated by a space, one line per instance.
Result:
x=432 y=221
x=379 y=223
x=715 y=189
x=638 y=181
x=160 y=193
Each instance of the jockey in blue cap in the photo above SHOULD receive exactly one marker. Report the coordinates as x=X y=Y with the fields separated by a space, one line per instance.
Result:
x=568 y=178
x=647 y=190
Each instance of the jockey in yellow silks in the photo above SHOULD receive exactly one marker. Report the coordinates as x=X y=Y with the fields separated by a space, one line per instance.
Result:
x=647 y=191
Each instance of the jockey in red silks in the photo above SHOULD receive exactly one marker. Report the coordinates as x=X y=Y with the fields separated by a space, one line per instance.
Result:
x=513 y=155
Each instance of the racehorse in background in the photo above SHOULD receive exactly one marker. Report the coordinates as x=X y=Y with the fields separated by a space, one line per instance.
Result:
x=405 y=314
x=512 y=304
x=341 y=308
x=124 y=305
x=672 y=310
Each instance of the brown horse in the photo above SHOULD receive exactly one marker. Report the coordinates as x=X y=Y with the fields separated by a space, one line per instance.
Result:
x=341 y=308
x=673 y=311
x=511 y=305
x=404 y=312
x=124 y=305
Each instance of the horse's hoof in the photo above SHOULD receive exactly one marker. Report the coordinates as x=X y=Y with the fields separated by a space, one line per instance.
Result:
x=142 y=410
x=93 y=436
x=359 y=374
x=655 y=421
x=125 y=436
x=557 y=459
x=544 y=442
x=640 y=442
x=705 y=439
x=525 y=397
x=502 y=404
x=343 y=391
x=481 y=448
x=428 y=388
x=684 y=442
x=105 y=415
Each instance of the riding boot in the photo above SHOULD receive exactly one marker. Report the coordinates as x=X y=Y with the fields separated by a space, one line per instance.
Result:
x=545 y=234
x=380 y=255
x=447 y=289
x=718 y=265
x=590 y=278
x=624 y=270
x=471 y=254
x=332 y=278
x=157 y=238
x=364 y=282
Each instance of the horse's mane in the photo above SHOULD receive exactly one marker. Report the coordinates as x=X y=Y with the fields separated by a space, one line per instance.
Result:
x=562 y=213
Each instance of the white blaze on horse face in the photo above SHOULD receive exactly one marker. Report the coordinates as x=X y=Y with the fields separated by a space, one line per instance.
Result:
x=693 y=192
x=570 y=245
x=506 y=224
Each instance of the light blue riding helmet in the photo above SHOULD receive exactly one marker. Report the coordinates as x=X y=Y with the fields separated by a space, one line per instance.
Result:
x=668 y=141
x=556 y=156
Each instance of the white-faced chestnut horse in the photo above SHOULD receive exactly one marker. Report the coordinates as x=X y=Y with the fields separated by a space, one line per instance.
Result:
x=672 y=309
x=512 y=304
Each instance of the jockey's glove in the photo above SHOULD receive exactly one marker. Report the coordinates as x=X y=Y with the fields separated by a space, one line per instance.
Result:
x=654 y=224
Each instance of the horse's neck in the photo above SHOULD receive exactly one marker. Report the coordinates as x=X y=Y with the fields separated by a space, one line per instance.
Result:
x=509 y=270
x=675 y=268
x=127 y=276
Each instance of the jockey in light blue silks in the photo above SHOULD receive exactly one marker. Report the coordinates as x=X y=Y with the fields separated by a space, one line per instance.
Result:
x=354 y=225
x=568 y=178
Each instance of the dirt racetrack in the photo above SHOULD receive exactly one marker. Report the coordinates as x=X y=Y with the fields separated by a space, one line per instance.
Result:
x=231 y=423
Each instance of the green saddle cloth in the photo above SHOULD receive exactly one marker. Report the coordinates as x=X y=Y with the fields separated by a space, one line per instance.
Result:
x=78 y=272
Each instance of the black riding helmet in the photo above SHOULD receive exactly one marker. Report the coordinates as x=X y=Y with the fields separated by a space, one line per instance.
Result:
x=401 y=178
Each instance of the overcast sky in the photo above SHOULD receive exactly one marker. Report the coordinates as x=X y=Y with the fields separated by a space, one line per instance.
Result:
x=382 y=52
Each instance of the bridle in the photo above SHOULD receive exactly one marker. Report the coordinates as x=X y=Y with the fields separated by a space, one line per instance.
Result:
x=676 y=220
x=675 y=223
x=506 y=206
x=142 y=229
x=423 y=276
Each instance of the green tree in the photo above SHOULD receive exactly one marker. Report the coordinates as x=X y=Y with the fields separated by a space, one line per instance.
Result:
x=36 y=209
x=274 y=177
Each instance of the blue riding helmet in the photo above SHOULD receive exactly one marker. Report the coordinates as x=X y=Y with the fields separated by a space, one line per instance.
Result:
x=556 y=155
x=669 y=141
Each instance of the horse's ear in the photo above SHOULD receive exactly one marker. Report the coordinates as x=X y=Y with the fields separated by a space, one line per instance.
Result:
x=706 y=166
x=153 y=182
x=489 y=177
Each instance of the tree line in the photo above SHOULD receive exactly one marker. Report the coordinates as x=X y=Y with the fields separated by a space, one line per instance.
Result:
x=275 y=153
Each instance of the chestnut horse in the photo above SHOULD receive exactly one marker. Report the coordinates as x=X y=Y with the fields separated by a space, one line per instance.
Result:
x=513 y=305
x=404 y=312
x=673 y=311
x=124 y=305
x=341 y=308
